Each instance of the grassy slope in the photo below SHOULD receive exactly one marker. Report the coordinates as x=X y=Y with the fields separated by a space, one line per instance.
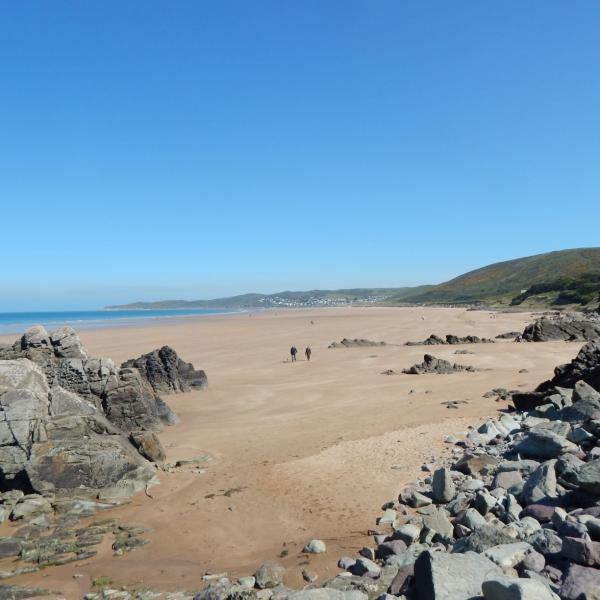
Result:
x=507 y=279
x=263 y=300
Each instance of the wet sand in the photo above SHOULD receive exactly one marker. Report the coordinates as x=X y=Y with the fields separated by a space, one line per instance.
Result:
x=302 y=450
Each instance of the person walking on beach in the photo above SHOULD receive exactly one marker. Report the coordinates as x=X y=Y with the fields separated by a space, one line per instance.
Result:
x=308 y=352
x=293 y=352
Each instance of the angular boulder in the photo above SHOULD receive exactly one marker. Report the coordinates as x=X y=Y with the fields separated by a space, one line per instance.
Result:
x=519 y=589
x=563 y=327
x=167 y=373
x=442 y=576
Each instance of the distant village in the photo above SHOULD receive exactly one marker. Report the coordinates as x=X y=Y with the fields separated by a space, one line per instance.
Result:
x=319 y=301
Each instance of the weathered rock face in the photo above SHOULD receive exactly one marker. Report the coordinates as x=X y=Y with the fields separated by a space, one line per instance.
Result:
x=54 y=442
x=431 y=364
x=86 y=456
x=130 y=403
x=571 y=327
x=167 y=373
x=585 y=367
x=435 y=340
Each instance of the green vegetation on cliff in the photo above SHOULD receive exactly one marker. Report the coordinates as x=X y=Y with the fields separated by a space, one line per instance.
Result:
x=565 y=275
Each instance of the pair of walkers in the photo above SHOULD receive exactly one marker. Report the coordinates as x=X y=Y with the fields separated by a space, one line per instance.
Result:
x=294 y=352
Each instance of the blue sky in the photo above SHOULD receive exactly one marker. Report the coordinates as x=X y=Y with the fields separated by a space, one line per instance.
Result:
x=197 y=149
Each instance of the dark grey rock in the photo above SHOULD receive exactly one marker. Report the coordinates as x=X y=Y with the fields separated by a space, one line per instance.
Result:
x=439 y=366
x=585 y=366
x=581 y=551
x=504 y=588
x=587 y=477
x=578 y=580
x=166 y=372
x=434 y=340
x=546 y=542
x=563 y=327
x=544 y=444
x=9 y=547
x=540 y=484
x=442 y=486
x=479 y=541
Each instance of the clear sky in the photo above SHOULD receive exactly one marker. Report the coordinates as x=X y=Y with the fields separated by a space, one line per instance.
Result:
x=194 y=149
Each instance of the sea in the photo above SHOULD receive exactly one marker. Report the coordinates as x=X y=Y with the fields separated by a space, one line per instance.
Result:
x=17 y=322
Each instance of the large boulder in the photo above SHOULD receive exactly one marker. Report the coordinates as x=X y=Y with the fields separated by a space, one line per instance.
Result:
x=544 y=443
x=132 y=405
x=167 y=373
x=541 y=484
x=578 y=581
x=24 y=408
x=563 y=327
x=587 y=477
x=66 y=343
x=86 y=456
x=442 y=576
x=516 y=589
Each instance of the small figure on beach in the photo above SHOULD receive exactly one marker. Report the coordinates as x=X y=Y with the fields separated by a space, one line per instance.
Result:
x=293 y=352
x=308 y=352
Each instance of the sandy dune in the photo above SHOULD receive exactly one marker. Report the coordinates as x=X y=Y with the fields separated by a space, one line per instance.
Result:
x=299 y=450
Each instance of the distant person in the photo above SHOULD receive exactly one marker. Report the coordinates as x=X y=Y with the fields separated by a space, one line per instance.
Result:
x=308 y=352
x=293 y=352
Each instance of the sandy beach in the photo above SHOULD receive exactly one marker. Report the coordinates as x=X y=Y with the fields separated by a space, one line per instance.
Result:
x=302 y=450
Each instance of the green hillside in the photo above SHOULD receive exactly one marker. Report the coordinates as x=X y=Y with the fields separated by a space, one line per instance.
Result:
x=287 y=298
x=501 y=283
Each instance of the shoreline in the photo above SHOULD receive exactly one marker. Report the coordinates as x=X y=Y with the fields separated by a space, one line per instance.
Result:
x=140 y=322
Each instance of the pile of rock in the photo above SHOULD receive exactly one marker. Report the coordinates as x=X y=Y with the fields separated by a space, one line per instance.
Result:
x=355 y=343
x=563 y=326
x=435 y=340
x=439 y=366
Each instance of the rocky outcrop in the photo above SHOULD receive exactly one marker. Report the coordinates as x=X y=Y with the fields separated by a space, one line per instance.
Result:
x=435 y=340
x=431 y=364
x=56 y=443
x=567 y=327
x=74 y=425
x=355 y=343
x=128 y=396
x=131 y=403
x=584 y=367
x=167 y=373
